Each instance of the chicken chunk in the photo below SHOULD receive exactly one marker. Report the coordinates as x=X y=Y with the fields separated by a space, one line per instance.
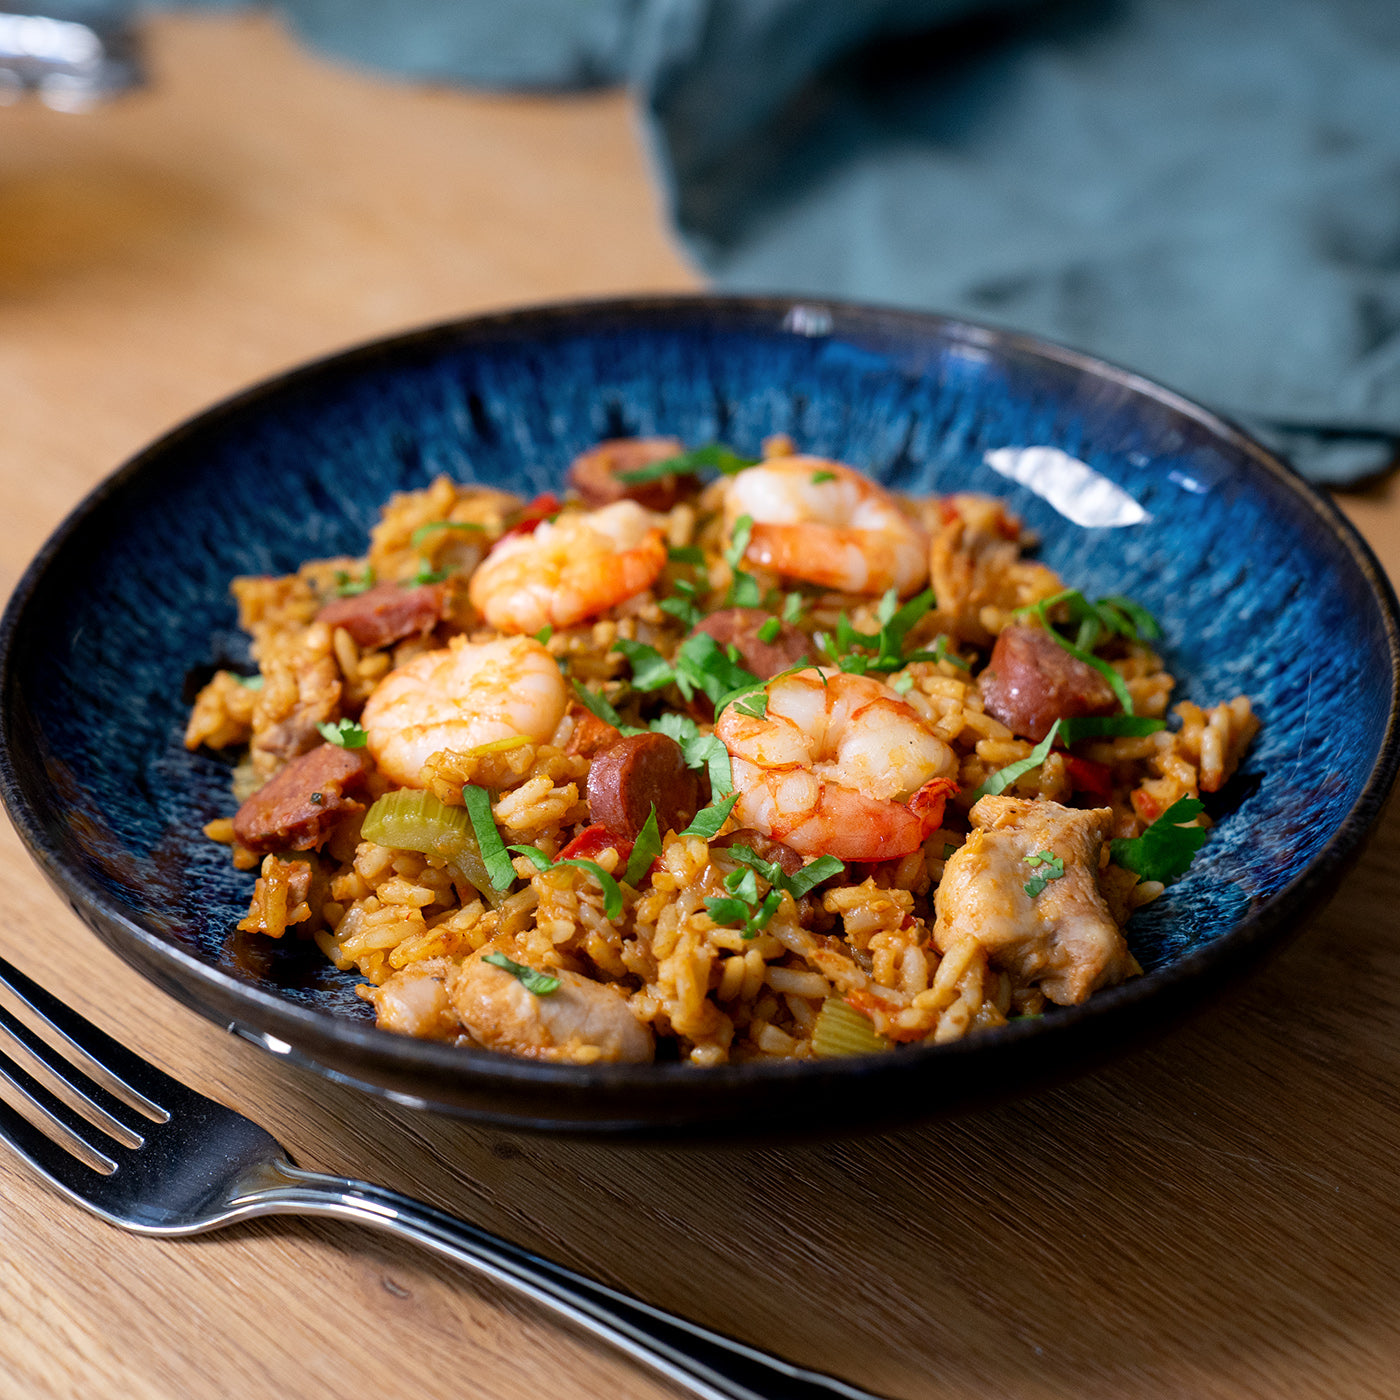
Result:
x=1047 y=929
x=414 y=1001
x=582 y=1021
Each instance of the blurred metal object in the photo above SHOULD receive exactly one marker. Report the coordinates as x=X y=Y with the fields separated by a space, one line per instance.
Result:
x=71 y=56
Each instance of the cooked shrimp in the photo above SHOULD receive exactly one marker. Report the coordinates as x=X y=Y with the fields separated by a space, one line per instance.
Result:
x=461 y=697
x=826 y=523
x=838 y=765
x=577 y=567
x=581 y=1020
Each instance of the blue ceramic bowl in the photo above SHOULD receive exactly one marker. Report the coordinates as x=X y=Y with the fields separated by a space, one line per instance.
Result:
x=1261 y=586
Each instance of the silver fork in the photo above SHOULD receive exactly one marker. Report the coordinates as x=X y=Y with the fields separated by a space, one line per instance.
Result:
x=145 y=1152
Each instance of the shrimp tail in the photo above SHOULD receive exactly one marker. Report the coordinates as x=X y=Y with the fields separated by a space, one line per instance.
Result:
x=928 y=803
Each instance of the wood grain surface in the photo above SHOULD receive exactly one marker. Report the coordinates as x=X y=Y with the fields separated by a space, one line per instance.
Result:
x=1212 y=1216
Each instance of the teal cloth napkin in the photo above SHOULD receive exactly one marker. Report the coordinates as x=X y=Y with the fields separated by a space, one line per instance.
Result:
x=1207 y=191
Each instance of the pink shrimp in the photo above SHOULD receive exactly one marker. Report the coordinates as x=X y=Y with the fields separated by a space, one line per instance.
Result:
x=562 y=573
x=838 y=765
x=827 y=524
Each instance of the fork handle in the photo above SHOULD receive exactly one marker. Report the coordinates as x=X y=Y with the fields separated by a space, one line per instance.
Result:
x=707 y=1363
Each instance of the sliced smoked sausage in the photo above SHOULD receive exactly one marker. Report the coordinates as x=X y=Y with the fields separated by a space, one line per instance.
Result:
x=386 y=613
x=739 y=628
x=1031 y=681
x=593 y=474
x=298 y=807
x=625 y=780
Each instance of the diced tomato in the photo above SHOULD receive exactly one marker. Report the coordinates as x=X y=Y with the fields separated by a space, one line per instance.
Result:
x=1085 y=775
x=592 y=841
x=1147 y=806
x=534 y=514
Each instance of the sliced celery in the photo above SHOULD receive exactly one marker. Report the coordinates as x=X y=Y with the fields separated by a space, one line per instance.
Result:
x=842 y=1030
x=410 y=820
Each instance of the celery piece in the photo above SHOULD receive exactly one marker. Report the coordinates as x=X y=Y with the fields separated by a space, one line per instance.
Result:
x=409 y=820
x=842 y=1030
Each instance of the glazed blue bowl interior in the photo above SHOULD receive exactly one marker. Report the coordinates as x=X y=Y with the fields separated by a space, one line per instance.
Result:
x=1260 y=590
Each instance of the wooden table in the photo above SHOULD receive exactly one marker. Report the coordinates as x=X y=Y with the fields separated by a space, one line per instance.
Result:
x=1213 y=1216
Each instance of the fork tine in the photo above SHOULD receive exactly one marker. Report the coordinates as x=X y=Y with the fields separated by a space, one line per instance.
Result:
x=111 y=1113
x=132 y=1075
x=55 y=1163
x=71 y=1124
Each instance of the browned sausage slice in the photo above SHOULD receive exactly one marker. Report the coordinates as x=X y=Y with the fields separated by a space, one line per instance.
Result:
x=593 y=474
x=1031 y=681
x=386 y=613
x=297 y=808
x=626 y=779
x=739 y=628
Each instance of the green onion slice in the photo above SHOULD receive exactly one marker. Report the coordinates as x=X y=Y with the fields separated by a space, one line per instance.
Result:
x=495 y=858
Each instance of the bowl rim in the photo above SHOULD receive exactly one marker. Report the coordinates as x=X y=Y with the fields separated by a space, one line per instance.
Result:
x=304 y=1030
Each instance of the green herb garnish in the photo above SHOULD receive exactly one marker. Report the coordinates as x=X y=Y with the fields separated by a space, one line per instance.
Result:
x=646 y=850
x=494 y=855
x=597 y=703
x=1047 y=865
x=248 y=682
x=686 y=554
x=416 y=539
x=708 y=820
x=713 y=455
x=768 y=633
x=544 y=634
x=1110 y=616
x=819 y=477
x=427 y=574
x=1074 y=729
x=1166 y=849
x=347 y=586
x=540 y=983
x=700 y=750
x=1004 y=777
x=650 y=670
x=860 y=652
x=344 y=734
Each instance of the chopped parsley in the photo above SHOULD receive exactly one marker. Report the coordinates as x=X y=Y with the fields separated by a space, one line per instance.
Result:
x=544 y=634
x=802 y=882
x=768 y=633
x=494 y=855
x=344 y=734
x=744 y=908
x=612 y=892
x=744 y=591
x=860 y=652
x=1047 y=865
x=347 y=586
x=596 y=702
x=818 y=478
x=541 y=984
x=248 y=682
x=1094 y=622
x=686 y=554
x=714 y=456
x=700 y=750
x=416 y=539
x=1074 y=729
x=793 y=607
x=644 y=851
x=1166 y=849
x=1004 y=777
x=708 y=820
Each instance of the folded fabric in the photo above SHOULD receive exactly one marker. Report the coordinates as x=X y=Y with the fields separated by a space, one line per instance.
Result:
x=1207 y=191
